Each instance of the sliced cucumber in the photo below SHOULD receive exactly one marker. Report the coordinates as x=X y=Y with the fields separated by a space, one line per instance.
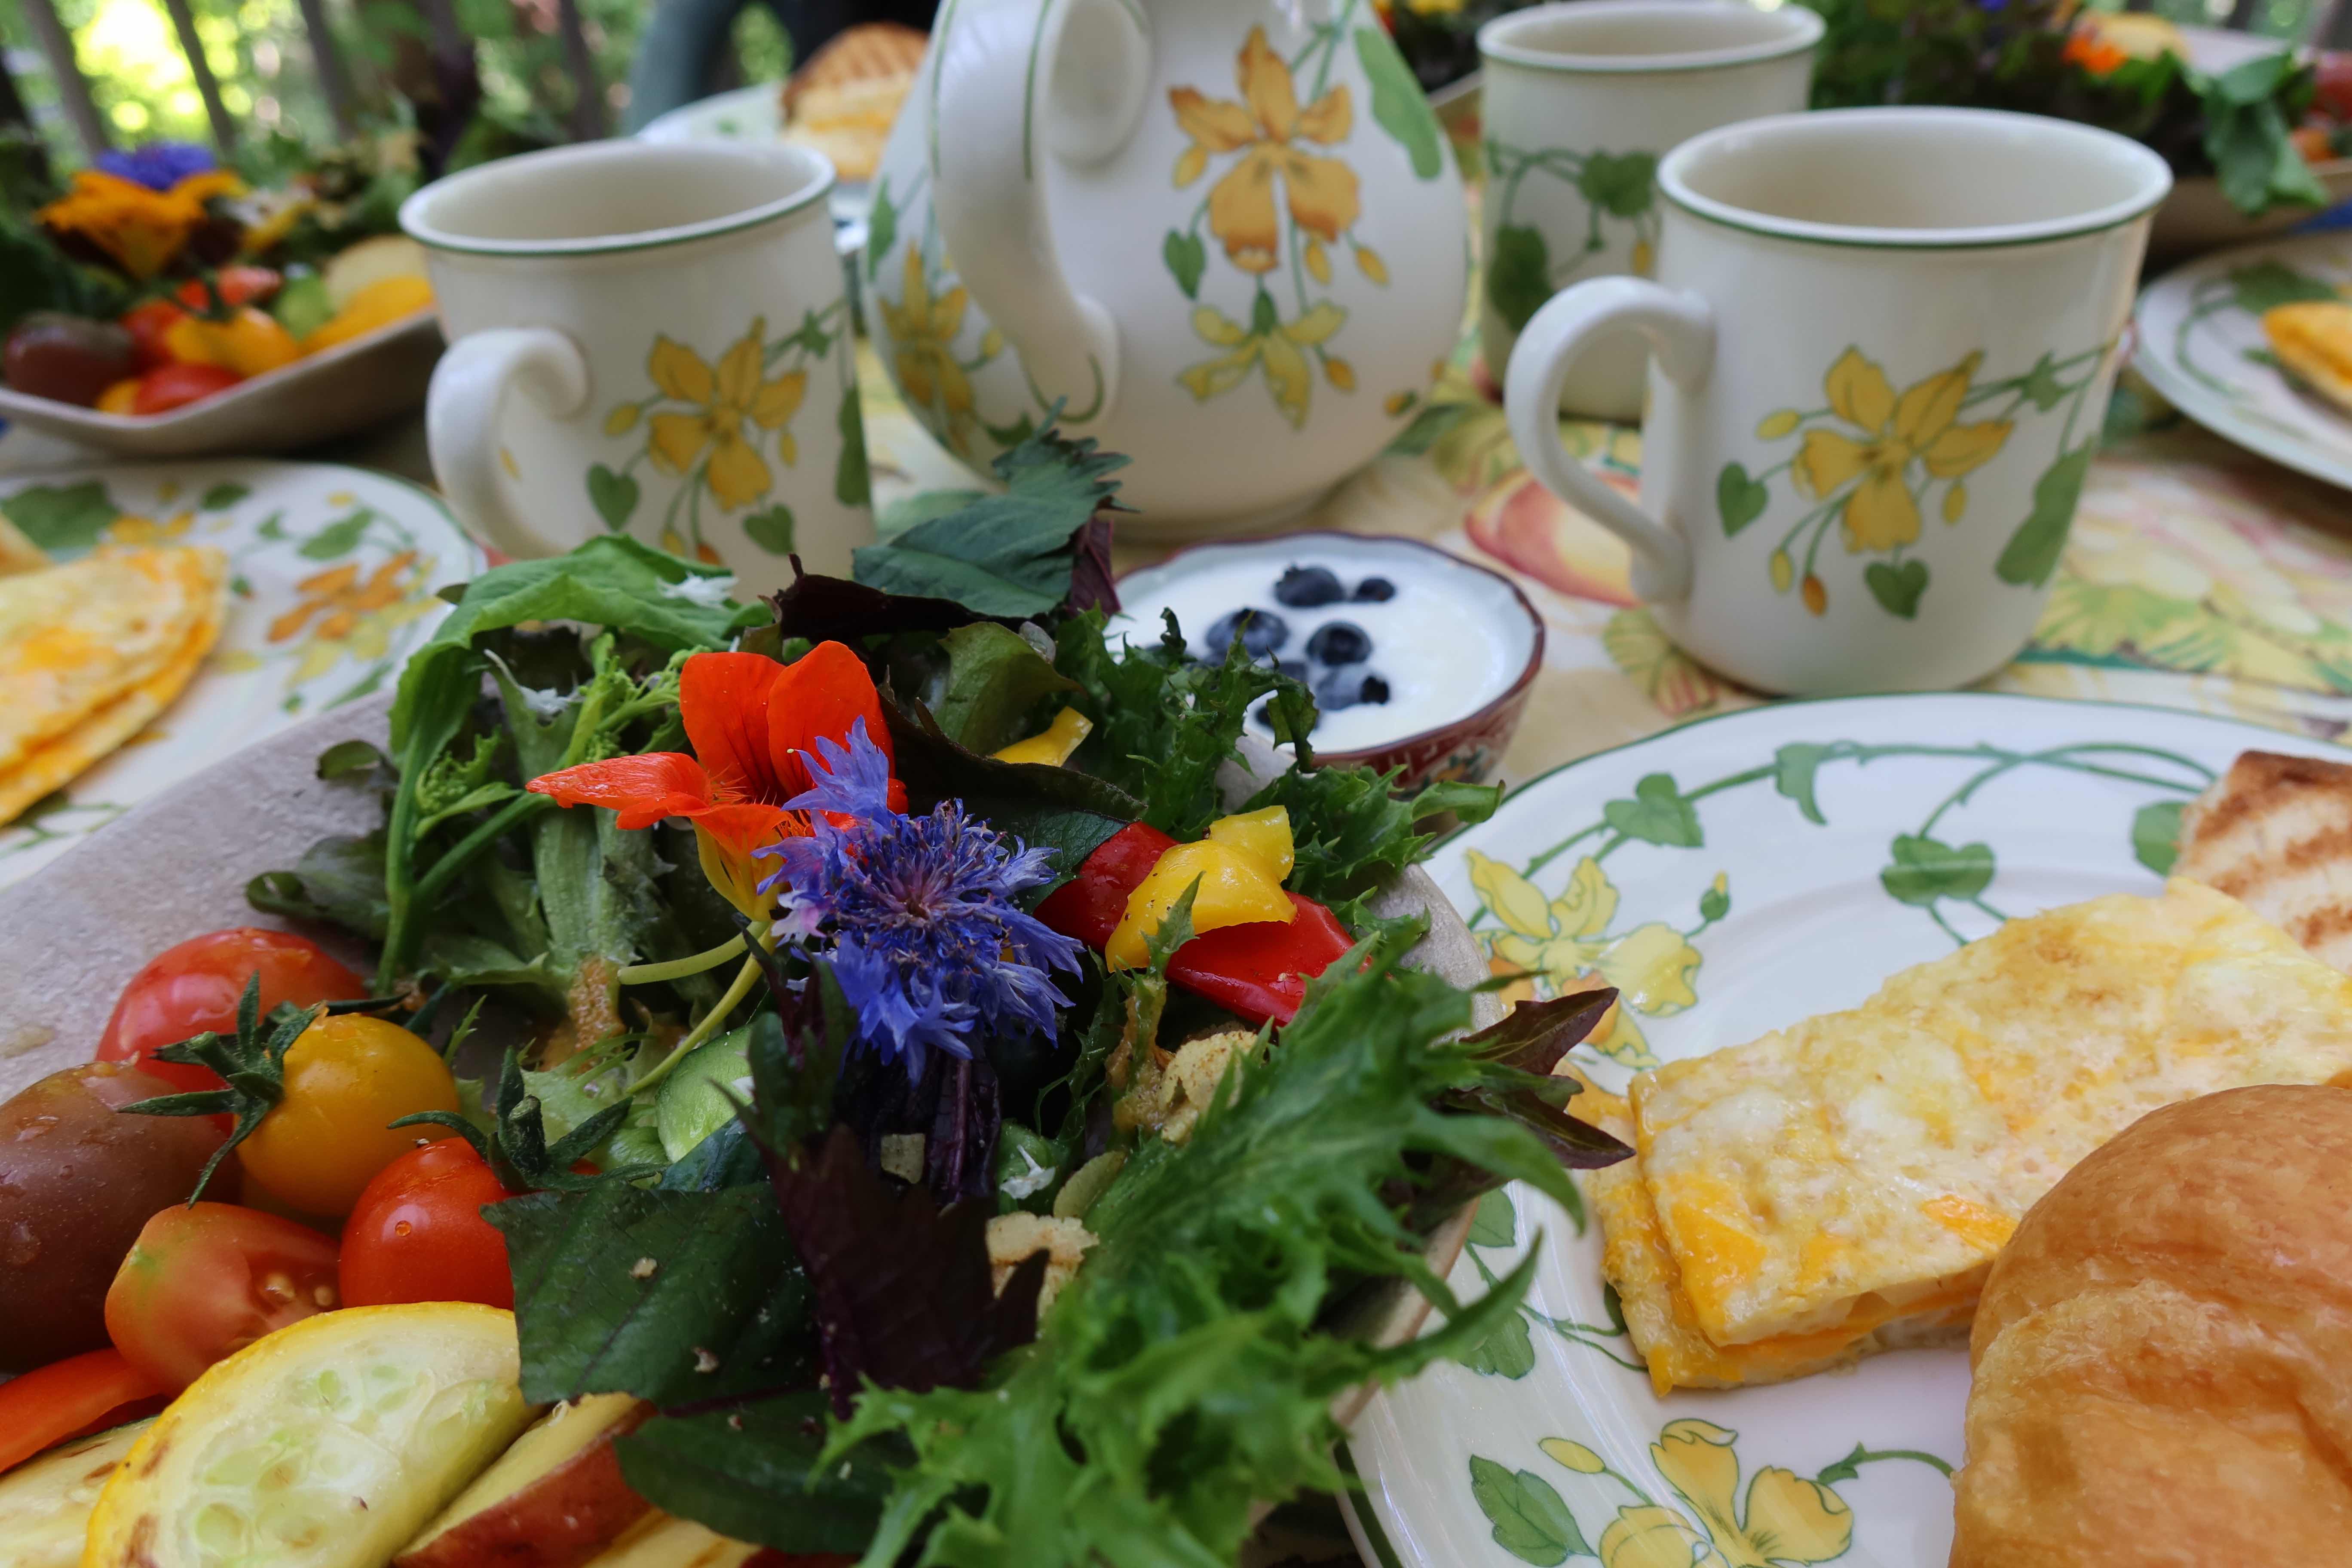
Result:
x=694 y=1098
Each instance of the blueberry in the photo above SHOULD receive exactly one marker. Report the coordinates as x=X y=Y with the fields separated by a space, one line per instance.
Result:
x=1337 y=643
x=1263 y=632
x=1341 y=688
x=1375 y=689
x=1304 y=587
x=1374 y=591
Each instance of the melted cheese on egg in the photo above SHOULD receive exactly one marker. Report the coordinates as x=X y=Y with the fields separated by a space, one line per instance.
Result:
x=1842 y=1185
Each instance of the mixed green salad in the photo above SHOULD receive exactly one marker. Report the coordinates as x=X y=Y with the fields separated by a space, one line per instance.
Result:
x=867 y=1030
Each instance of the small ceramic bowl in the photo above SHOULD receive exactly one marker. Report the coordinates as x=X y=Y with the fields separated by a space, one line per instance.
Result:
x=1453 y=647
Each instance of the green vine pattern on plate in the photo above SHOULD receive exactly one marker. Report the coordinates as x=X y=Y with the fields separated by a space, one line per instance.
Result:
x=1871 y=459
x=2254 y=289
x=1784 y=1518
x=1509 y=1351
x=1617 y=187
x=1557 y=946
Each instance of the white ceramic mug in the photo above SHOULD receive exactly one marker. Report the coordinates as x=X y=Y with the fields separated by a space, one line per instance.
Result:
x=651 y=339
x=1884 y=340
x=1581 y=100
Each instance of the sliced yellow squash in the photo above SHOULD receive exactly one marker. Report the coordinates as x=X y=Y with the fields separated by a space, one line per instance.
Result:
x=326 y=1444
x=44 y=1502
x=659 y=1540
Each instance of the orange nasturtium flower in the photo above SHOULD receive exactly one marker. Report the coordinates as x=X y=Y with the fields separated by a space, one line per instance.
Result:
x=749 y=721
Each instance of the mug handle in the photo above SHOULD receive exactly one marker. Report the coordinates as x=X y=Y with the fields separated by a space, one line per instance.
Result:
x=1680 y=326
x=461 y=423
x=1001 y=62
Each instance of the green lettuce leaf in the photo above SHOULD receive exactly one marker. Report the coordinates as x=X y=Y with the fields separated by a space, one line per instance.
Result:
x=678 y=1297
x=1163 y=724
x=1009 y=555
x=1350 y=832
x=1186 y=1371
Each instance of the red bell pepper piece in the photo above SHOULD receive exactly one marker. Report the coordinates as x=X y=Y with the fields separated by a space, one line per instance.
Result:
x=53 y=1403
x=1257 y=972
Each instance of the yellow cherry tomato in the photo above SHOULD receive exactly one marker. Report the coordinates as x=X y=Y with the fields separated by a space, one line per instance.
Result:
x=379 y=304
x=346 y=1077
x=119 y=397
x=1264 y=834
x=249 y=343
x=1234 y=891
x=1052 y=744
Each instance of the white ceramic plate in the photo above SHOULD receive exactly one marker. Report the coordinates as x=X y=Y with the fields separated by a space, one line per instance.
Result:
x=332 y=583
x=332 y=393
x=1740 y=866
x=2201 y=345
x=753 y=113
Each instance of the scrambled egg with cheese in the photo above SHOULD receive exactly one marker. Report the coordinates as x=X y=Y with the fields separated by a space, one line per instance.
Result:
x=91 y=651
x=1842 y=1186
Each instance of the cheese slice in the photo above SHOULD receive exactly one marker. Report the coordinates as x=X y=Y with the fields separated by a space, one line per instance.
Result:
x=1842 y=1185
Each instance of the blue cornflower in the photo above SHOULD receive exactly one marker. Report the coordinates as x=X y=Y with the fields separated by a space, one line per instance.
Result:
x=159 y=165
x=926 y=941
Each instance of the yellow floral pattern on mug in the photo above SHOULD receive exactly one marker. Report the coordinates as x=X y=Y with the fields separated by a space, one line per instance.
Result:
x=1783 y=1518
x=924 y=324
x=1276 y=203
x=1873 y=463
x=713 y=427
x=1564 y=945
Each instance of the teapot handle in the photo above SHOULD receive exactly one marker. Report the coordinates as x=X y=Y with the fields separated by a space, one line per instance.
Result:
x=1015 y=81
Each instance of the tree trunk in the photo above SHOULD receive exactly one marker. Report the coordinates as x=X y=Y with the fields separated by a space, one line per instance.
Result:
x=183 y=22
x=73 y=91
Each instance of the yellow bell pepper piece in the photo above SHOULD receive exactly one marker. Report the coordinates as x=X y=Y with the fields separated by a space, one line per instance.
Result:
x=1052 y=744
x=119 y=397
x=379 y=304
x=1234 y=891
x=249 y=343
x=1264 y=834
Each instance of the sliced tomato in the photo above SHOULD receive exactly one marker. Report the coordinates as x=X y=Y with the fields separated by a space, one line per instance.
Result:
x=188 y=989
x=51 y=1404
x=417 y=1233
x=237 y=286
x=170 y=386
x=202 y=1282
x=147 y=322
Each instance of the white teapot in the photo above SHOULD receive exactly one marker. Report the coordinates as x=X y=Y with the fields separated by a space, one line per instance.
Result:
x=1228 y=235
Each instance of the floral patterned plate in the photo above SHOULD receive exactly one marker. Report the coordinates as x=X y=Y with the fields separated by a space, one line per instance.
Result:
x=332 y=572
x=1732 y=877
x=2201 y=345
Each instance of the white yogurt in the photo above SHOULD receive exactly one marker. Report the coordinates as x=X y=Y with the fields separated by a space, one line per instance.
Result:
x=1452 y=640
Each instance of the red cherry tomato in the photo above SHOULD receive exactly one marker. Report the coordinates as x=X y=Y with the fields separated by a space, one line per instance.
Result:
x=56 y=1402
x=2334 y=96
x=202 y=1282
x=192 y=987
x=147 y=322
x=417 y=1233
x=237 y=286
x=170 y=386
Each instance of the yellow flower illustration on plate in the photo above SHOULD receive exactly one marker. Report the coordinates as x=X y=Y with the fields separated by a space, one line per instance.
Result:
x=349 y=615
x=1889 y=434
x=720 y=404
x=1266 y=126
x=923 y=329
x=1786 y=1519
x=1268 y=343
x=1565 y=943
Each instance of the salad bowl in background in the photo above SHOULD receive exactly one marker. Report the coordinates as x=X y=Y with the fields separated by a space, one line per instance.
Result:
x=335 y=392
